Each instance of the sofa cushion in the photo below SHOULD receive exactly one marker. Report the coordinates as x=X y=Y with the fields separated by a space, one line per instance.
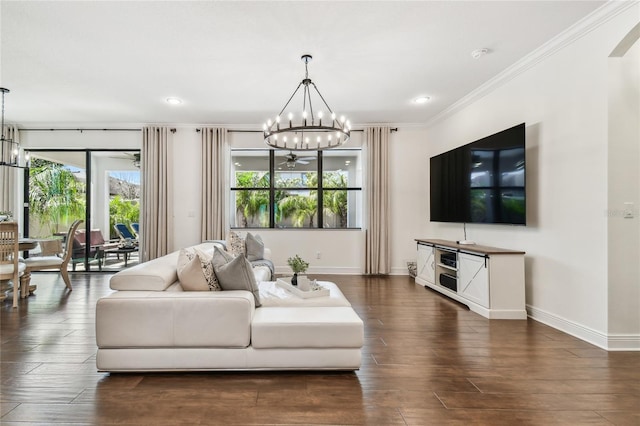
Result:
x=254 y=247
x=237 y=274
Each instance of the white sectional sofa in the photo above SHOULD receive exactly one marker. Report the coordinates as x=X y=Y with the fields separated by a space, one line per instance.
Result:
x=150 y=324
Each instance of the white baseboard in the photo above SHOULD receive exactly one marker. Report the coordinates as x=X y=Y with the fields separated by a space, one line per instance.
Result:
x=399 y=270
x=337 y=270
x=624 y=342
x=628 y=342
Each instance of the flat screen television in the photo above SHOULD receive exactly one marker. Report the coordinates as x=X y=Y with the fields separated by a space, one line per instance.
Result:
x=481 y=182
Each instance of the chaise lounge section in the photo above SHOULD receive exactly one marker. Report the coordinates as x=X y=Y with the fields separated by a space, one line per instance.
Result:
x=151 y=324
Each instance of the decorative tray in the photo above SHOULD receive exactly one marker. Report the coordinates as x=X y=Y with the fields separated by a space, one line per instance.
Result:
x=316 y=290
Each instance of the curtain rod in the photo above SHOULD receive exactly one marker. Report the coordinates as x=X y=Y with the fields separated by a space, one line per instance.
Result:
x=394 y=129
x=80 y=130
x=173 y=130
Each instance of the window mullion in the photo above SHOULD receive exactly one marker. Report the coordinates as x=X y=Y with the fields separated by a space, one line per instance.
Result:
x=272 y=190
x=320 y=195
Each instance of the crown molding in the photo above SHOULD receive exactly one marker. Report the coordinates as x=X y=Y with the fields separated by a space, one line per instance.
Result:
x=583 y=27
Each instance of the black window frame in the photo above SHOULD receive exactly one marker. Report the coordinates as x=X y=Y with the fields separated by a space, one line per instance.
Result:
x=272 y=190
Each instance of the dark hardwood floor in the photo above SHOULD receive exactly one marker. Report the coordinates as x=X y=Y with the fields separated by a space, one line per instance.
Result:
x=426 y=360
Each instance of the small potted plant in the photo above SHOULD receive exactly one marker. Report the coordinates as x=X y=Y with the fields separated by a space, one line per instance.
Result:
x=298 y=266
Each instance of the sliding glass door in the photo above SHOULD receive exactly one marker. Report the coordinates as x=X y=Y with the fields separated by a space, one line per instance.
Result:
x=100 y=187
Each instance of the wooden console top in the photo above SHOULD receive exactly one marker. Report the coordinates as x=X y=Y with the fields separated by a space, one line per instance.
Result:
x=474 y=248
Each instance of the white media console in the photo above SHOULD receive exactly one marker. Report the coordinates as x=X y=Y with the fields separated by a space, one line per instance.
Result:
x=489 y=280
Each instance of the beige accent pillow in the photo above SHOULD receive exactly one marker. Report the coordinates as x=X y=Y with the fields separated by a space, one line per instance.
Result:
x=254 y=247
x=190 y=272
x=237 y=274
x=235 y=244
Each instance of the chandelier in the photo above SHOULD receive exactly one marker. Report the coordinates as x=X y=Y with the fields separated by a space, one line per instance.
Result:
x=9 y=149
x=308 y=130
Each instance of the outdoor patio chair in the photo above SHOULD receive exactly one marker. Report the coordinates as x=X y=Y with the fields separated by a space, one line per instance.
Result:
x=97 y=247
x=124 y=232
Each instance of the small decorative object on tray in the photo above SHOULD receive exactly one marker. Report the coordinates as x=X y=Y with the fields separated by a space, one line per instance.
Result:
x=315 y=289
x=298 y=266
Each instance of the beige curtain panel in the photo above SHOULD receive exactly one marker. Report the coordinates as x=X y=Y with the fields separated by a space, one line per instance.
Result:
x=214 y=153
x=9 y=175
x=157 y=193
x=377 y=250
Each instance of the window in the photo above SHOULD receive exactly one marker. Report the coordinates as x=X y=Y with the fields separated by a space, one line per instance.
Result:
x=296 y=189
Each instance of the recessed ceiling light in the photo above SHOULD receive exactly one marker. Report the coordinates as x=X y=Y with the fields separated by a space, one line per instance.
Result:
x=174 y=101
x=422 y=99
x=478 y=53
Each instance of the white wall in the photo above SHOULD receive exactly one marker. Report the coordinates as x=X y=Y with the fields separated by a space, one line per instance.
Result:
x=624 y=186
x=563 y=99
x=409 y=188
x=187 y=187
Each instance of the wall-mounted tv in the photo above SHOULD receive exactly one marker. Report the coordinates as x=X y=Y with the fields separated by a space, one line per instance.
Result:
x=481 y=182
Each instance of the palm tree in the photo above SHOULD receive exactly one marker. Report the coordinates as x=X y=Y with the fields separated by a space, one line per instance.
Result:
x=335 y=201
x=299 y=208
x=250 y=203
x=55 y=195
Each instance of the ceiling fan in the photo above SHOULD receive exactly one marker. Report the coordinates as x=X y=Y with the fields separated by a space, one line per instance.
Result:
x=292 y=159
x=134 y=157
